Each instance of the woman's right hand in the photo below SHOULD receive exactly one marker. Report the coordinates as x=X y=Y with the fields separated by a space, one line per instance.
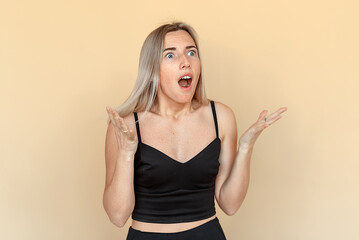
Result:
x=126 y=138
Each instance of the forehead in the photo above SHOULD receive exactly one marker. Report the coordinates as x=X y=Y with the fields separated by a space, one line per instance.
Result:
x=178 y=38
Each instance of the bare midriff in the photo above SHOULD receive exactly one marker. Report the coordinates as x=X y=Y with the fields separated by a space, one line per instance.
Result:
x=168 y=227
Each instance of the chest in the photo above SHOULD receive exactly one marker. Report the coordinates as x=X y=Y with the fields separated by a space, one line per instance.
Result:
x=156 y=171
x=180 y=141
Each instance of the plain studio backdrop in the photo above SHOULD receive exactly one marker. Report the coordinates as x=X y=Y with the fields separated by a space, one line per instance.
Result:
x=63 y=62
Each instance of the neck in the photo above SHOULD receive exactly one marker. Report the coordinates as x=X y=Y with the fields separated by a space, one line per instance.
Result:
x=173 y=110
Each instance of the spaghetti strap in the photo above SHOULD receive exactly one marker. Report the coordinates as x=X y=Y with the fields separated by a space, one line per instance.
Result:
x=137 y=127
x=214 y=116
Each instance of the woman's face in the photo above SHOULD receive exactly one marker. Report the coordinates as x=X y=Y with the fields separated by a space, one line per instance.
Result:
x=180 y=68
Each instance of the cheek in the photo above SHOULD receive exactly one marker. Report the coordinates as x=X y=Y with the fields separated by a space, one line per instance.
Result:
x=197 y=68
x=196 y=64
x=165 y=77
x=166 y=80
x=167 y=74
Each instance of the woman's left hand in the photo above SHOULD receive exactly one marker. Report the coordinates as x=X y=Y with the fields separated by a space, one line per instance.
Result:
x=248 y=138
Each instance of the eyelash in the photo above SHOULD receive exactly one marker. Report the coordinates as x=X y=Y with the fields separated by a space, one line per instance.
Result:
x=195 y=53
x=166 y=56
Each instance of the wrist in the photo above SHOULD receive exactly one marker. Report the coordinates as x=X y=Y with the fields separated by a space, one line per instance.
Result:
x=245 y=147
x=125 y=156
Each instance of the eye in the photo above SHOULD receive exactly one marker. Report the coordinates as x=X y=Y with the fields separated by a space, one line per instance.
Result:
x=192 y=53
x=169 y=55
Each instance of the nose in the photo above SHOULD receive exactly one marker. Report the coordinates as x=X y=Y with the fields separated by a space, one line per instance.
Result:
x=184 y=63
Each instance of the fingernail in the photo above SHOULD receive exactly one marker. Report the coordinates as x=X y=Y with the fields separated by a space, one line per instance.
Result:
x=107 y=108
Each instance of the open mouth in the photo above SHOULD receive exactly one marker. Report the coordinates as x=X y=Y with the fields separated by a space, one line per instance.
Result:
x=185 y=81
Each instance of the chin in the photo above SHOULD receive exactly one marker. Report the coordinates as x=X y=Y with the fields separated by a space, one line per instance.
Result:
x=185 y=99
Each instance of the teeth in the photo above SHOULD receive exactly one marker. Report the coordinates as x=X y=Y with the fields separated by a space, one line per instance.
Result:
x=186 y=77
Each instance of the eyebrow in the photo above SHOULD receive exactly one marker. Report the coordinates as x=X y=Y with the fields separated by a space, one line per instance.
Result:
x=173 y=48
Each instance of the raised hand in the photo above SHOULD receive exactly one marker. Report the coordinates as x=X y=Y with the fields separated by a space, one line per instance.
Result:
x=250 y=136
x=126 y=138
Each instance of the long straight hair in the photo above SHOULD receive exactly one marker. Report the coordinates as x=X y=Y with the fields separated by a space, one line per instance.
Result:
x=144 y=93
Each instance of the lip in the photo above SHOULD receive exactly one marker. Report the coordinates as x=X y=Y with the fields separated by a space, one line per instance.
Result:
x=186 y=74
x=186 y=88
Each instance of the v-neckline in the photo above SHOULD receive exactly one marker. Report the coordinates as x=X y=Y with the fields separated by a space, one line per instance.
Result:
x=176 y=161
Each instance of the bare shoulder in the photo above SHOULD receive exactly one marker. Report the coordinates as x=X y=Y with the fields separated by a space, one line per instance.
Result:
x=223 y=109
x=224 y=112
x=226 y=119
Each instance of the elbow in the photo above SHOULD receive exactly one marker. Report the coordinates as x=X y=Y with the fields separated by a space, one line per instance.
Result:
x=118 y=220
x=231 y=205
x=119 y=216
x=230 y=212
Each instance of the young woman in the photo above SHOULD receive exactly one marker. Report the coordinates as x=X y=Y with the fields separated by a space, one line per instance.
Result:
x=170 y=151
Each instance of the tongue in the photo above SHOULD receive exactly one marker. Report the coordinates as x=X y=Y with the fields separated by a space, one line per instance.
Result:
x=183 y=82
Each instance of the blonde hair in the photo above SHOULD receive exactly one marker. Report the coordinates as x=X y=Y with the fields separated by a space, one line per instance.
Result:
x=144 y=93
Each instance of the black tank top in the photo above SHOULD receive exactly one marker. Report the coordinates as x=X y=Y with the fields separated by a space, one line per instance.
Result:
x=168 y=191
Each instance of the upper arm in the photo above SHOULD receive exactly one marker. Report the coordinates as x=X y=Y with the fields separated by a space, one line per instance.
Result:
x=228 y=133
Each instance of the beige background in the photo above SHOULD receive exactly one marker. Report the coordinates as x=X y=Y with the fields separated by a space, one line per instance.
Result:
x=62 y=62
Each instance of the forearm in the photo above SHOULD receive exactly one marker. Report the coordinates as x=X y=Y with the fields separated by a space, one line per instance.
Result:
x=235 y=188
x=119 y=196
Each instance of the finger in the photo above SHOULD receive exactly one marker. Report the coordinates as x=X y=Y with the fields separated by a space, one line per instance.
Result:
x=117 y=121
x=113 y=117
x=110 y=115
x=123 y=126
x=262 y=115
x=131 y=135
x=281 y=110
x=276 y=113
x=273 y=120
